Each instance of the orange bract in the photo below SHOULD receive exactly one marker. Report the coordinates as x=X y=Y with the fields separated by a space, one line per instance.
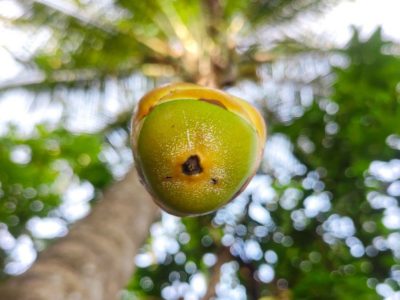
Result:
x=184 y=91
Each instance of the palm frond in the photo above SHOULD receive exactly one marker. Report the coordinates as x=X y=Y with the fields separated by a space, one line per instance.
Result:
x=275 y=12
x=90 y=43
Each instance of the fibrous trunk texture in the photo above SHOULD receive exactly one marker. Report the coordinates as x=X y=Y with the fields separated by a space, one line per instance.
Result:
x=95 y=260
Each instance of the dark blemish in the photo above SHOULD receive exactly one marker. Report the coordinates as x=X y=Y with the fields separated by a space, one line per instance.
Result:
x=192 y=165
x=214 y=180
x=168 y=177
x=214 y=102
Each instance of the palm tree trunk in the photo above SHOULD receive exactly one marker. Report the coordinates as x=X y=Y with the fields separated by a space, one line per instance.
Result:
x=96 y=258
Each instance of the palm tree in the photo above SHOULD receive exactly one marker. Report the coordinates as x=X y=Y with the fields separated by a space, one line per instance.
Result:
x=92 y=46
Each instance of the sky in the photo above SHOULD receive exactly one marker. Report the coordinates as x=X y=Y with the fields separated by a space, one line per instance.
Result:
x=364 y=14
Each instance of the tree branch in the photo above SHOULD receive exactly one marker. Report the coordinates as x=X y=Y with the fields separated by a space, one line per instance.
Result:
x=224 y=256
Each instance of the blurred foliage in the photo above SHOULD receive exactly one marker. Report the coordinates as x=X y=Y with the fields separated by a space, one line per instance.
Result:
x=346 y=131
x=318 y=232
x=37 y=170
